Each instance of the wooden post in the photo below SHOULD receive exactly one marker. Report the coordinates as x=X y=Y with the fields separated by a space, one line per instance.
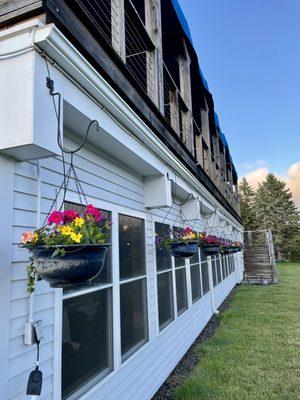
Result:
x=250 y=238
x=118 y=27
x=230 y=178
x=174 y=110
x=199 y=150
x=272 y=256
x=155 y=87
x=206 y=137
x=184 y=62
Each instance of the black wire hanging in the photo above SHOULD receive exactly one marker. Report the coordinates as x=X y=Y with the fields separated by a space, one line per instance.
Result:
x=71 y=172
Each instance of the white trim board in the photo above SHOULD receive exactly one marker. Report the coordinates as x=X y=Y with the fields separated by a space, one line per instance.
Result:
x=6 y=229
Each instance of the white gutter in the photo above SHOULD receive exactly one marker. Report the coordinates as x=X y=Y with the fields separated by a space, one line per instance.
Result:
x=71 y=62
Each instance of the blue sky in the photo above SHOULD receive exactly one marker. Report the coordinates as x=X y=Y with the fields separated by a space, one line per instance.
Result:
x=249 y=52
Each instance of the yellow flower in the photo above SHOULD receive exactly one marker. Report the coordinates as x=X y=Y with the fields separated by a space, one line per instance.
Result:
x=192 y=235
x=66 y=230
x=76 y=237
x=79 y=222
x=35 y=237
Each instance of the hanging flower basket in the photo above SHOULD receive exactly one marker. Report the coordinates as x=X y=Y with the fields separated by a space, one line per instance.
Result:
x=183 y=249
x=227 y=250
x=236 y=247
x=70 y=250
x=209 y=244
x=181 y=243
x=210 y=249
x=78 y=266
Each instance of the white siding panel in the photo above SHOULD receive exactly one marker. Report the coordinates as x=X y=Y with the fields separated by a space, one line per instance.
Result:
x=27 y=360
x=17 y=324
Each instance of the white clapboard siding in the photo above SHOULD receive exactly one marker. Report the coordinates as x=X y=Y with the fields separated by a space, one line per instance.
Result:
x=106 y=180
x=223 y=288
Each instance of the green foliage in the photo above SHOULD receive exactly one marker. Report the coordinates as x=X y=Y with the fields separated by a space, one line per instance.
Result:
x=247 y=197
x=275 y=209
x=272 y=207
x=32 y=276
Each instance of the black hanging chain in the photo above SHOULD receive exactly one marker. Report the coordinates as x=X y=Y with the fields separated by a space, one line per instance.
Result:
x=71 y=173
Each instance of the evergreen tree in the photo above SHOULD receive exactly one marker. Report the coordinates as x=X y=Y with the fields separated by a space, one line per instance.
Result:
x=247 y=197
x=275 y=209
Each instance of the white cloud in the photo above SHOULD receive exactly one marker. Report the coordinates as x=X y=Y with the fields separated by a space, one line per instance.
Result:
x=248 y=166
x=257 y=176
x=293 y=181
x=291 y=177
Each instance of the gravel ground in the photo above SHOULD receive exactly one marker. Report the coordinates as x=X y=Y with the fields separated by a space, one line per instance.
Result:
x=189 y=361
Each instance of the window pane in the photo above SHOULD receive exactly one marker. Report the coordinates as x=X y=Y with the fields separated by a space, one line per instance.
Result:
x=86 y=339
x=181 y=291
x=219 y=276
x=106 y=275
x=196 y=282
x=223 y=267
x=131 y=246
x=214 y=270
x=133 y=304
x=165 y=298
x=227 y=265
x=179 y=262
x=204 y=270
x=163 y=256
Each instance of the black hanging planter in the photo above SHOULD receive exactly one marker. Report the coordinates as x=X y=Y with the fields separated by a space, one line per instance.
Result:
x=227 y=250
x=210 y=249
x=78 y=266
x=183 y=249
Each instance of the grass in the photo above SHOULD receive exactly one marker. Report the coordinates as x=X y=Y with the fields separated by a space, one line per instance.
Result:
x=255 y=354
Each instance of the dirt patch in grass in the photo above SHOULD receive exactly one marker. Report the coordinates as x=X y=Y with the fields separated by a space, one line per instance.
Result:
x=191 y=358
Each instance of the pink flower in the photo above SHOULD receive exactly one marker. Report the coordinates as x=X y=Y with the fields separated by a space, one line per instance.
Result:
x=56 y=217
x=93 y=212
x=70 y=215
x=212 y=239
x=188 y=230
x=27 y=237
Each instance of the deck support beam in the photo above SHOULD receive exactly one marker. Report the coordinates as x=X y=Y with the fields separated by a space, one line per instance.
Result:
x=118 y=27
x=154 y=57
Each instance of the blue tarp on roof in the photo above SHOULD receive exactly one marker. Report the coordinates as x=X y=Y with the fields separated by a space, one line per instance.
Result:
x=204 y=80
x=217 y=120
x=223 y=139
x=186 y=28
x=182 y=19
x=222 y=135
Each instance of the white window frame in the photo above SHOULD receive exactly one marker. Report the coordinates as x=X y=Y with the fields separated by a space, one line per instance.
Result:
x=200 y=274
x=127 y=356
x=159 y=331
x=115 y=210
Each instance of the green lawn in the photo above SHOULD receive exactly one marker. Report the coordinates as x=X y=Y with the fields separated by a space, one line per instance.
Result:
x=255 y=354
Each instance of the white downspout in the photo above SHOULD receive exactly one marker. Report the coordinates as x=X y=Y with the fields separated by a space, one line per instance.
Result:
x=211 y=286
